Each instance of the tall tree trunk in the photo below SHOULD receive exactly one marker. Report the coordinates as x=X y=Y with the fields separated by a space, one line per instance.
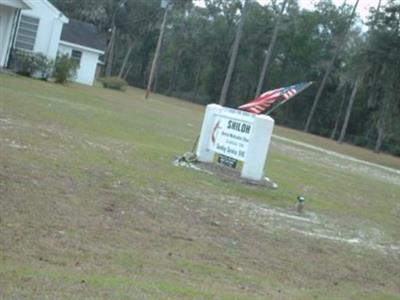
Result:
x=126 y=58
x=333 y=133
x=172 y=79
x=158 y=68
x=338 y=116
x=232 y=61
x=348 y=111
x=196 y=82
x=128 y=69
x=379 y=140
x=381 y=124
x=377 y=13
x=110 y=54
x=270 y=50
x=328 y=70
x=157 y=53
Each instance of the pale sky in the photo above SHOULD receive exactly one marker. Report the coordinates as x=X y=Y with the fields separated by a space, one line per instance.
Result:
x=362 y=9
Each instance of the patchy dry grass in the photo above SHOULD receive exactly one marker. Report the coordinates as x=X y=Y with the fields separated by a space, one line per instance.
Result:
x=91 y=207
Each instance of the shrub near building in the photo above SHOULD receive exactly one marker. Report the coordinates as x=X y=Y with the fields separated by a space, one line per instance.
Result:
x=114 y=83
x=39 y=66
x=31 y=64
x=65 y=68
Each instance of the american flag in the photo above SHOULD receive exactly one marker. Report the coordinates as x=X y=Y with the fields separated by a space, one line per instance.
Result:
x=267 y=99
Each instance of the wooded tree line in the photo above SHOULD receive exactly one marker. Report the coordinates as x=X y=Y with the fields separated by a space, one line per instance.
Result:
x=359 y=101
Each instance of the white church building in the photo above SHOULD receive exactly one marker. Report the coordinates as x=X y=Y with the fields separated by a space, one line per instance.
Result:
x=37 y=26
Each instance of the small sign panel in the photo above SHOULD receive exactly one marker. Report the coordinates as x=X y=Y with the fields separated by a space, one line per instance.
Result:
x=230 y=136
x=227 y=161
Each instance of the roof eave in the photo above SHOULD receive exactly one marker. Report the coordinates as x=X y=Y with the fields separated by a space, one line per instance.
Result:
x=64 y=19
x=82 y=47
x=58 y=14
x=18 y=4
x=28 y=6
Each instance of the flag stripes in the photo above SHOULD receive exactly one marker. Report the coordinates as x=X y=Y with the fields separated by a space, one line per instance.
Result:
x=269 y=98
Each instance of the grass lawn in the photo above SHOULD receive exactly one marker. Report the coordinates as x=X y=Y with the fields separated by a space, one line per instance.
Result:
x=91 y=207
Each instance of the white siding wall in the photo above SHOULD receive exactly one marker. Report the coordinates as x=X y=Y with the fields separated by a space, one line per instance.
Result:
x=64 y=49
x=87 y=70
x=49 y=30
x=7 y=15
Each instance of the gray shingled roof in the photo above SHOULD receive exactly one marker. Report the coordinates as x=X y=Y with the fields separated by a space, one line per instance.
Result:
x=82 y=33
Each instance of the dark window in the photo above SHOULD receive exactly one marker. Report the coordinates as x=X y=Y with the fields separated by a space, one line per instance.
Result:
x=76 y=55
x=26 y=35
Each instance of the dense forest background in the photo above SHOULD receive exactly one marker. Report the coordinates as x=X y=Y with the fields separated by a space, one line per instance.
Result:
x=355 y=67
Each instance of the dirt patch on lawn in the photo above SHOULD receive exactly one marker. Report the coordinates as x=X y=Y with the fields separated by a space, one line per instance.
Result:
x=225 y=173
x=307 y=224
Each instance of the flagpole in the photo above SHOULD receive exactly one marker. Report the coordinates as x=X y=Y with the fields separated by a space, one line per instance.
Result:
x=283 y=102
x=157 y=53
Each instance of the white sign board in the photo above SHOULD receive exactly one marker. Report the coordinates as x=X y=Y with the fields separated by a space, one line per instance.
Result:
x=236 y=134
x=231 y=133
